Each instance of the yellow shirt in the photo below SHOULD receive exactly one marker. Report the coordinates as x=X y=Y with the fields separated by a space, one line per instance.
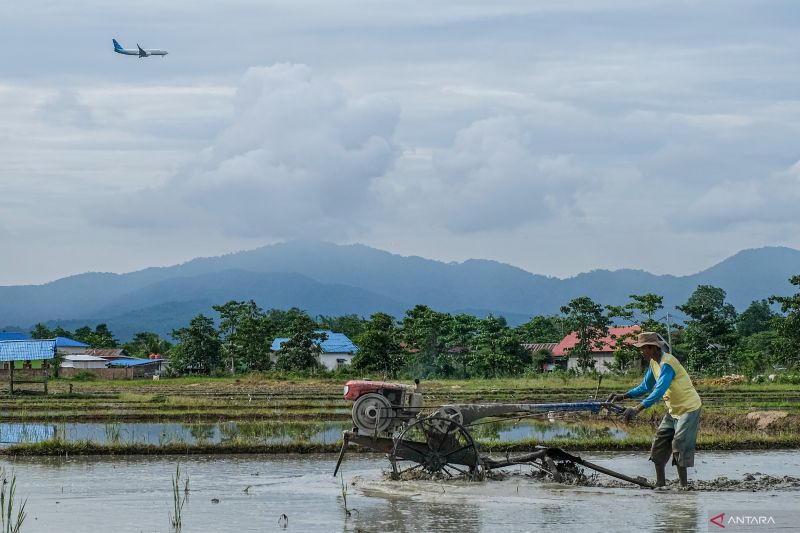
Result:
x=681 y=397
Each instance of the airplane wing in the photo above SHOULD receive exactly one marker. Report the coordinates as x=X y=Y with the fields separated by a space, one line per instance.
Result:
x=142 y=53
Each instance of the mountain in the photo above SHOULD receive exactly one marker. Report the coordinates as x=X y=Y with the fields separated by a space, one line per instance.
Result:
x=330 y=279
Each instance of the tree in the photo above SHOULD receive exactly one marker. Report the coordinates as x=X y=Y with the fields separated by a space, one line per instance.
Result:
x=755 y=319
x=246 y=333
x=425 y=331
x=541 y=329
x=622 y=312
x=625 y=353
x=40 y=331
x=379 y=347
x=101 y=337
x=351 y=325
x=541 y=358
x=301 y=351
x=145 y=343
x=199 y=349
x=497 y=350
x=587 y=320
x=648 y=305
x=787 y=328
x=460 y=341
x=287 y=323
x=756 y=353
x=709 y=337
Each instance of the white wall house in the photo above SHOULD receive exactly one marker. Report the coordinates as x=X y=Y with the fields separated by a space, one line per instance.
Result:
x=83 y=361
x=336 y=350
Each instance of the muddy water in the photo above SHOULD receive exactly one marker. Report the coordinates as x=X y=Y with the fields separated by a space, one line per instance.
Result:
x=161 y=433
x=134 y=494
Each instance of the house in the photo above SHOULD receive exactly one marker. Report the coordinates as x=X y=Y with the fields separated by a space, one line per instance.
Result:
x=603 y=354
x=83 y=361
x=67 y=346
x=337 y=349
x=140 y=368
x=109 y=354
x=550 y=364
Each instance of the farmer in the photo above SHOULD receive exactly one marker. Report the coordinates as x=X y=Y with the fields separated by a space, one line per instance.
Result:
x=666 y=378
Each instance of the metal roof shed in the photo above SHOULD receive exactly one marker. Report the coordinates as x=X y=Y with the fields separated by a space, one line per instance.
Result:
x=27 y=350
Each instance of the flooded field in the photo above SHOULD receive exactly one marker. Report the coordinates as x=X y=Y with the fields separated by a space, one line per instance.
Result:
x=250 y=493
x=327 y=432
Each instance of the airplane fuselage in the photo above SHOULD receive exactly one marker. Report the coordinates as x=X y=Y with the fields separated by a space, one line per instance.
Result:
x=148 y=52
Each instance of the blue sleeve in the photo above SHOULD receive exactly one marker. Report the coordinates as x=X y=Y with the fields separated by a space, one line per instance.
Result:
x=647 y=383
x=664 y=381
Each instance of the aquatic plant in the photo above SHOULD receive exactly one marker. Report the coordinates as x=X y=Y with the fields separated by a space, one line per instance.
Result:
x=178 y=499
x=113 y=432
x=8 y=522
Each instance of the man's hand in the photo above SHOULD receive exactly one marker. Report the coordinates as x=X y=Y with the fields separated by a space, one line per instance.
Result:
x=630 y=413
x=615 y=397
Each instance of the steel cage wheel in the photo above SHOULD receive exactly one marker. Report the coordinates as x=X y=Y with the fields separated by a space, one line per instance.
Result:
x=435 y=446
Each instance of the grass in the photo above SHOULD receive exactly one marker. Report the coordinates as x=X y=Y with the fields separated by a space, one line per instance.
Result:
x=9 y=522
x=178 y=498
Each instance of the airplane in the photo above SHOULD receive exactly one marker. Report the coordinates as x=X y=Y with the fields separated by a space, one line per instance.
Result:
x=141 y=52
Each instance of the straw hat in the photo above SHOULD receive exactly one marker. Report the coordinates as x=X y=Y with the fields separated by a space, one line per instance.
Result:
x=649 y=337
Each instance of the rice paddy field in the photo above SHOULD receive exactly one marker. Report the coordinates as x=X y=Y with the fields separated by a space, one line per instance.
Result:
x=258 y=415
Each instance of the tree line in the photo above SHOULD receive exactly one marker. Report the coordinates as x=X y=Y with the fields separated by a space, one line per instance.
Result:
x=713 y=338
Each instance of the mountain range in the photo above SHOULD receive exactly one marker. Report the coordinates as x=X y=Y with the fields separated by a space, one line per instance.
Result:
x=330 y=279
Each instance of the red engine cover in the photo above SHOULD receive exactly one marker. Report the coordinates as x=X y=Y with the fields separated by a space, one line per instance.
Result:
x=353 y=389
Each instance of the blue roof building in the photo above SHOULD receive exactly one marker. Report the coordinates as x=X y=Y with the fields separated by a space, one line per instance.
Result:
x=135 y=362
x=27 y=350
x=13 y=336
x=66 y=342
x=337 y=349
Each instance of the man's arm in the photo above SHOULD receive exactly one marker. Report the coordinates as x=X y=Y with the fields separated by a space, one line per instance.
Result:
x=663 y=383
x=644 y=387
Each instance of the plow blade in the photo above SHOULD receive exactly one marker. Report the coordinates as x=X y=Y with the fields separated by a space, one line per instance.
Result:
x=561 y=455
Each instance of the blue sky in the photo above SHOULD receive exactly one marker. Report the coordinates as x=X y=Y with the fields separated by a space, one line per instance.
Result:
x=556 y=136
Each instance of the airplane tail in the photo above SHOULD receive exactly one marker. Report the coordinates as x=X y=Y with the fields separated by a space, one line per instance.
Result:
x=116 y=45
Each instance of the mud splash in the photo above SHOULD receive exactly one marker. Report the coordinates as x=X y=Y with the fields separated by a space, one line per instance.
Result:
x=748 y=483
x=576 y=476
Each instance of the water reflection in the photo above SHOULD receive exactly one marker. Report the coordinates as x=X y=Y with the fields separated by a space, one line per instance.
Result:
x=511 y=431
x=172 y=433
x=677 y=516
x=402 y=515
x=269 y=432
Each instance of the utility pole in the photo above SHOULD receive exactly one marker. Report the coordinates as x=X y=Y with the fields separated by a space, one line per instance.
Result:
x=669 y=333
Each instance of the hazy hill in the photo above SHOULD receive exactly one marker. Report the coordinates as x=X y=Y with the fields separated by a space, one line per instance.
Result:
x=324 y=278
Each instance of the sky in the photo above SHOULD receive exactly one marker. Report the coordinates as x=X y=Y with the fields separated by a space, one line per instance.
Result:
x=559 y=137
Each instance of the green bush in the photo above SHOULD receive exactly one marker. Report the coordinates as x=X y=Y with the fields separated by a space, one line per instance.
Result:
x=84 y=376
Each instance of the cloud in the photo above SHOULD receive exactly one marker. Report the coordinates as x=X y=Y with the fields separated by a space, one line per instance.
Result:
x=731 y=204
x=492 y=178
x=66 y=110
x=297 y=159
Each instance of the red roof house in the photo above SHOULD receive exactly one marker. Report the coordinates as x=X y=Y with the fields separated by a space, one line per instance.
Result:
x=603 y=355
x=609 y=342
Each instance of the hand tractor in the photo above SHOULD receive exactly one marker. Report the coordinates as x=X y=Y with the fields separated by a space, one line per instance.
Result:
x=390 y=418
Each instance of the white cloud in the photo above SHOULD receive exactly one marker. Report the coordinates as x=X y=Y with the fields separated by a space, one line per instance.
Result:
x=492 y=178
x=296 y=160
